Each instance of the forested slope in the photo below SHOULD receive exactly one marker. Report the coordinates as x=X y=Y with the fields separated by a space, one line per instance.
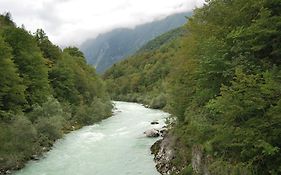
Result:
x=44 y=92
x=140 y=78
x=221 y=80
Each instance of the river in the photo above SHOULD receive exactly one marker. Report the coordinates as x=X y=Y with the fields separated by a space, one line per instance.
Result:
x=115 y=146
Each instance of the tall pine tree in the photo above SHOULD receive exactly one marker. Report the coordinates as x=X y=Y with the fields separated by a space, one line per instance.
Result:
x=11 y=87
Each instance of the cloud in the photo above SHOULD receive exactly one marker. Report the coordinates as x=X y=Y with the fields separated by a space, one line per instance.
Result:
x=70 y=22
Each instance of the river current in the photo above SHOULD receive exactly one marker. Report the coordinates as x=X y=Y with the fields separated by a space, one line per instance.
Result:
x=115 y=146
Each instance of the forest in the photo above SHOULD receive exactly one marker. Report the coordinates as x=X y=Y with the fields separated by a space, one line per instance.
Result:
x=44 y=92
x=220 y=76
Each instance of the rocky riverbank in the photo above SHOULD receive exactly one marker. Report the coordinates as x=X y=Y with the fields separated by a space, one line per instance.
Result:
x=164 y=151
x=164 y=154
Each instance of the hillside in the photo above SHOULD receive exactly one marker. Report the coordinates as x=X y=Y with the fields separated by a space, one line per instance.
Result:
x=109 y=48
x=221 y=80
x=140 y=78
x=44 y=93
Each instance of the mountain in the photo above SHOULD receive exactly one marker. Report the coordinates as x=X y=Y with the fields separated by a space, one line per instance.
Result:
x=109 y=48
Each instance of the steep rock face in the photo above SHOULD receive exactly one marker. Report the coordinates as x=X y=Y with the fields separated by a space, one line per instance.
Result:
x=200 y=160
x=110 y=47
x=164 y=154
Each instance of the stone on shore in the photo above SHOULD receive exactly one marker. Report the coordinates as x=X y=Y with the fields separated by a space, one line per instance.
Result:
x=152 y=133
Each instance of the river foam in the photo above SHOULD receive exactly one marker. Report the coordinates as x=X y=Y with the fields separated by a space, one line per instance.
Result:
x=116 y=146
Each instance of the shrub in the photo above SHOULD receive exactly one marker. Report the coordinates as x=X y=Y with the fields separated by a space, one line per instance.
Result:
x=17 y=141
x=158 y=102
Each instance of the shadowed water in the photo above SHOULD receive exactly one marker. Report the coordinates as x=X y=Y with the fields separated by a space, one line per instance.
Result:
x=115 y=146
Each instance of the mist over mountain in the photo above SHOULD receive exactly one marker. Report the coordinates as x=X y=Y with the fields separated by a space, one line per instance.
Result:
x=110 y=47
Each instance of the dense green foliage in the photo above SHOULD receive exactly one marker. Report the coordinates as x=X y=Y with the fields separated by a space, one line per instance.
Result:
x=140 y=77
x=222 y=81
x=113 y=46
x=44 y=92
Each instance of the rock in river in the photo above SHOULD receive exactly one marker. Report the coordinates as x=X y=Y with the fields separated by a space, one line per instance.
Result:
x=152 y=133
x=154 y=123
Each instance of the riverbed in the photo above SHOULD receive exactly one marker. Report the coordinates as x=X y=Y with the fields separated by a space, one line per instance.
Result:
x=115 y=146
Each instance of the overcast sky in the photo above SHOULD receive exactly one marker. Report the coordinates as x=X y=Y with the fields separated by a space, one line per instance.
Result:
x=70 y=22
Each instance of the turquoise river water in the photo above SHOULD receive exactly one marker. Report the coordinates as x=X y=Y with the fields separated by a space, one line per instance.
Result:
x=115 y=146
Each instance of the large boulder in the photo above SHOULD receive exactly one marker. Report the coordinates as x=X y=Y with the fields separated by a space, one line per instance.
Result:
x=152 y=133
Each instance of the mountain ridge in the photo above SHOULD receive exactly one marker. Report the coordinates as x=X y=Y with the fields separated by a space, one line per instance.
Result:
x=108 y=48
